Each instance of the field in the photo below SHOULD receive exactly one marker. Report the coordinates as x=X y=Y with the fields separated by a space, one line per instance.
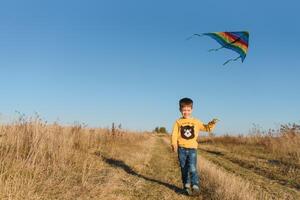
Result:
x=269 y=163
x=50 y=161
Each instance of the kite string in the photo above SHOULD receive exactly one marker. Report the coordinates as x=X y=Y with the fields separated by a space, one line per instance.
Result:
x=233 y=59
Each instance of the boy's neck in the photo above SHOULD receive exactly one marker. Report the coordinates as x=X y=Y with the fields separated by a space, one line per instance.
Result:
x=189 y=117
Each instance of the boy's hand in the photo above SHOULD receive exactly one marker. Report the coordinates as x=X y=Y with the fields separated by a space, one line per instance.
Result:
x=214 y=121
x=174 y=148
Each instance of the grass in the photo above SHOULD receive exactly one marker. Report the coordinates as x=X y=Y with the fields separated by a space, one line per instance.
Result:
x=283 y=145
x=50 y=161
x=223 y=185
x=269 y=162
x=40 y=161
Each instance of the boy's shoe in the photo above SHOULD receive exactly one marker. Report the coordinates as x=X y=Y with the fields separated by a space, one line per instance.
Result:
x=188 y=189
x=195 y=190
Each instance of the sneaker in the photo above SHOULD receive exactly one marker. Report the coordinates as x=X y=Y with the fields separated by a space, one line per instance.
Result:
x=196 y=190
x=188 y=189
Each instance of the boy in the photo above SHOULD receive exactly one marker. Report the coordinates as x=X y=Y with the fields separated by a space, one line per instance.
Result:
x=184 y=141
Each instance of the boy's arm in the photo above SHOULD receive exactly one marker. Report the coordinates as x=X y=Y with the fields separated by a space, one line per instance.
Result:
x=174 y=137
x=208 y=127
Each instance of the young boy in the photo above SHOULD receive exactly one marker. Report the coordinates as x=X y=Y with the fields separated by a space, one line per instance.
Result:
x=184 y=141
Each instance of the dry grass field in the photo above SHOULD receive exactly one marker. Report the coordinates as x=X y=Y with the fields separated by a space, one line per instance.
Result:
x=49 y=161
x=40 y=161
x=270 y=163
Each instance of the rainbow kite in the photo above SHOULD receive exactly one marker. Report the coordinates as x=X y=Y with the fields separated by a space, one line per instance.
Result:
x=236 y=41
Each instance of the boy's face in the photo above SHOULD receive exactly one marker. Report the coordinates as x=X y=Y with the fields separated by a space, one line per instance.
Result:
x=186 y=111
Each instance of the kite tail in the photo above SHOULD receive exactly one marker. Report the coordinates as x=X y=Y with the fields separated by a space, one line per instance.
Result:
x=233 y=59
x=199 y=35
x=217 y=49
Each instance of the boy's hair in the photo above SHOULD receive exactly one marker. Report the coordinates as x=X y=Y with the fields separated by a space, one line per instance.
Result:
x=185 y=102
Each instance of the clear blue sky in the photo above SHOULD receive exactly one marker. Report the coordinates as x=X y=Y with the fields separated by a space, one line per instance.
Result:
x=127 y=62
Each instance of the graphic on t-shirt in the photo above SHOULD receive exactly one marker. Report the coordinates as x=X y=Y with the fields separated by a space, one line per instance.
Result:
x=187 y=132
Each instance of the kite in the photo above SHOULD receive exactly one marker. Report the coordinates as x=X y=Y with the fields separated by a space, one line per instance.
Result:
x=236 y=41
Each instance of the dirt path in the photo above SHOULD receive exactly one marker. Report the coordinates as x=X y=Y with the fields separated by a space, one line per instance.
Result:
x=150 y=170
x=158 y=178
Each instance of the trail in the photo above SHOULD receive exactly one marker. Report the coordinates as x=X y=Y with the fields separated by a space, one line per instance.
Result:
x=150 y=170
x=158 y=178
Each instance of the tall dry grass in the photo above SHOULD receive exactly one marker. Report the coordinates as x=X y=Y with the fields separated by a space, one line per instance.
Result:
x=41 y=161
x=283 y=144
x=227 y=186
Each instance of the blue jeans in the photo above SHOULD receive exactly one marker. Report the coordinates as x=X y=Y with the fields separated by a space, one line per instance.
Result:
x=188 y=164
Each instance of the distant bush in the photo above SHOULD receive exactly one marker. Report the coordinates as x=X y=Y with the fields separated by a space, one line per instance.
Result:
x=290 y=128
x=160 y=130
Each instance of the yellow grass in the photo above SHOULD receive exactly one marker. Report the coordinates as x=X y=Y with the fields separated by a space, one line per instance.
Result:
x=49 y=161
x=227 y=186
x=40 y=161
x=269 y=162
x=283 y=146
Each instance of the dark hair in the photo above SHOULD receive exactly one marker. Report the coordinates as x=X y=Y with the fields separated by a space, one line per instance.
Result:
x=185 y=102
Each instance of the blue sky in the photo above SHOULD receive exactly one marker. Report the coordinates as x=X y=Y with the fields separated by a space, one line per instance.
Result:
x=128 y=62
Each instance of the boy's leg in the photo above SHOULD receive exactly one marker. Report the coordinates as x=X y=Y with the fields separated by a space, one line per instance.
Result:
x=182 y=157
x=192 y=162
